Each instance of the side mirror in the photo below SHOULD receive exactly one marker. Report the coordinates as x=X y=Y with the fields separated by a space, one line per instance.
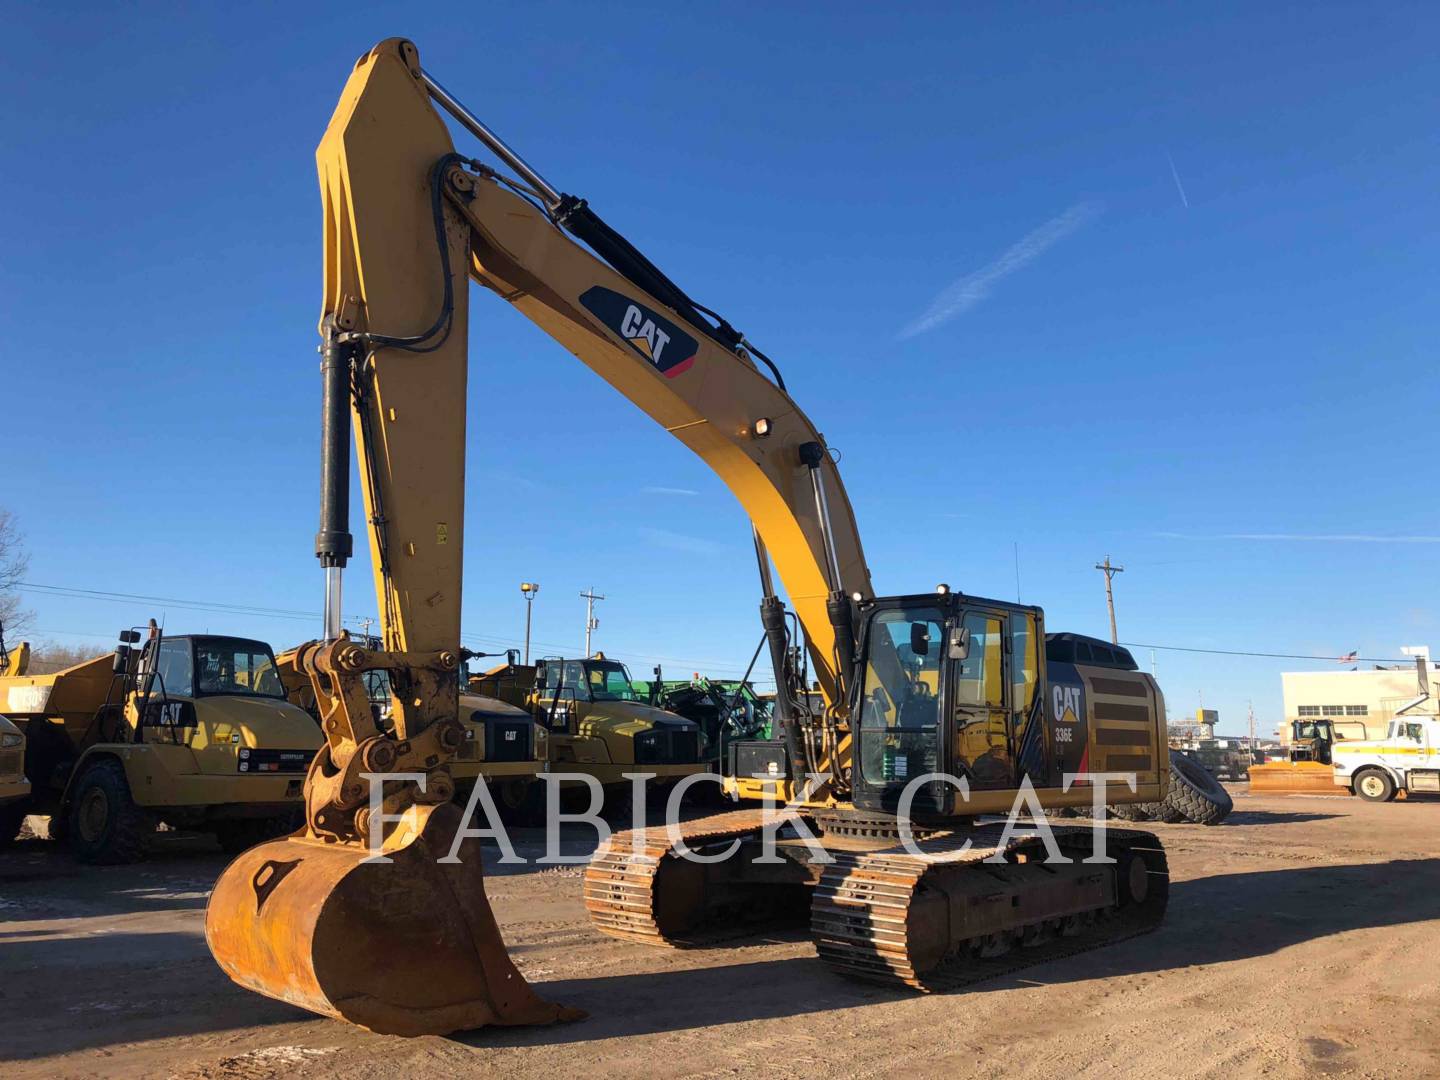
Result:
x=129 y=637
x=959 y=643
x=920 y=638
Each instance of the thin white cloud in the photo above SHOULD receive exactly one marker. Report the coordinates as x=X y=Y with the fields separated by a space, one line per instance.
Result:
x=668 y=491
x=695 y=545
x=1178 y=186
x=1340 y=538
x=962 y=295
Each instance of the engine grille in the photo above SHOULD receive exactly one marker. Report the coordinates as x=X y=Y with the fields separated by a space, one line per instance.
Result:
x=12 y=762
x=667 y=746
x=508 y=739
x=274 y=761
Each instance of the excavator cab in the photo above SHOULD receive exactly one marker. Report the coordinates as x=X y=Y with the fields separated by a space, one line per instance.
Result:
x=946 y=685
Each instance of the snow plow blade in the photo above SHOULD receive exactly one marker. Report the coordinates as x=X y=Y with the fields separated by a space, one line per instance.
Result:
x=1297 y=777
x=405 y=948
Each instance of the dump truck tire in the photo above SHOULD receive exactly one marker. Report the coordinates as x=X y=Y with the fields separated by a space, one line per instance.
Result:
x=241 y=835
x=1195 y=795
x=105 y=826
x=12 y=818
x=520 y=801
x=1137 y=811
x=1374 y=785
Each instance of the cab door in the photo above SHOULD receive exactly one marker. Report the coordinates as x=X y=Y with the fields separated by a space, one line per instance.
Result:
x=901 y=730
x=980 y=722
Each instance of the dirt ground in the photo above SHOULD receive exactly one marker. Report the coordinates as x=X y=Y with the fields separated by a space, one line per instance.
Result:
x=1300 y=940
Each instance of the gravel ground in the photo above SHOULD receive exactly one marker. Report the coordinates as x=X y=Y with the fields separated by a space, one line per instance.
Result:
x=1300 y=941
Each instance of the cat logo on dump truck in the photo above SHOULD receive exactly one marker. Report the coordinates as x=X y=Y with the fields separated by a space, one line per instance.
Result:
x=670 y=349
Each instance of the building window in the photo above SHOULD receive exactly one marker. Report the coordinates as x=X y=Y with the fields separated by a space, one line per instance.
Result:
x=1357 y=710
x=1332 y=710
x=1308 y=710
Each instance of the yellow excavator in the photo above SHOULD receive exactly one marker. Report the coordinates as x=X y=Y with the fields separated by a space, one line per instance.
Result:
x=914 y=687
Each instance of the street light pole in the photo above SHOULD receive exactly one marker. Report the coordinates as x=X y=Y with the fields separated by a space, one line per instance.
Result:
x=529 y=588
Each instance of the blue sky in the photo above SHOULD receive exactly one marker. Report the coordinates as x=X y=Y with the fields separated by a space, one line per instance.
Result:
x=1148 y=281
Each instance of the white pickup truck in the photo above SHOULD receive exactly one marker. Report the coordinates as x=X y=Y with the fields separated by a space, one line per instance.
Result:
x=1407 y=759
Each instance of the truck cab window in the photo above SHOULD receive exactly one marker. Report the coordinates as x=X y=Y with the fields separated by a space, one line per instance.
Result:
x=172 y=664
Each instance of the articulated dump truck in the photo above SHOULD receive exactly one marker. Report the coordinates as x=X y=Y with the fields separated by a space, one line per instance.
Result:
x=190 y=731
x=597 y=725
x=14 y=788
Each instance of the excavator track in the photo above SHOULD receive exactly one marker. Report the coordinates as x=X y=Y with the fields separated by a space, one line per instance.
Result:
x=891 y=918
x=645 y=893
x=937 y=921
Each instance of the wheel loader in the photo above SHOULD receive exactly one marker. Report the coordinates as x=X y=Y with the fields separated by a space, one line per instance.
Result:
x=1308 y=768
x=191 y=731
x=935 y=706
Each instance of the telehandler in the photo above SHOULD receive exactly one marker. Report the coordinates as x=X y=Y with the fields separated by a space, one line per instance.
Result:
x=190 y=730
x=914 y=685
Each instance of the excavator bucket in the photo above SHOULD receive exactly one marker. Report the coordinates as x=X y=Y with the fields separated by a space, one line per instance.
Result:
x=405 y=948
x=1295 y=777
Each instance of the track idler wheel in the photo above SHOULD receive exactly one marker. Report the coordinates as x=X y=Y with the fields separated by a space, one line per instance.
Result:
x=405 y=948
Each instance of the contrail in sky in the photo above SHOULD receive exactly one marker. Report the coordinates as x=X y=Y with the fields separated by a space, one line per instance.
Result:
x=962 y=295
x=1178 y=186
x=1342 y=538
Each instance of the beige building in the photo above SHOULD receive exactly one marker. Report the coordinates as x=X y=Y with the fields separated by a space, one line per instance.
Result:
x=1354 y=698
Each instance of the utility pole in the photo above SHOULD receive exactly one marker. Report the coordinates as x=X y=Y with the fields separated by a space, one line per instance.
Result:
x=590 y=596
x=1252 y=726
x=1110 y=572
x=529 y=588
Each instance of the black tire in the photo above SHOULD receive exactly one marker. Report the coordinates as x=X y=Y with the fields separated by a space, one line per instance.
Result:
x=519 y=800
x=1195 y=795
x=244 y=833
x=1136 y=811
x=104 y=824
x=12 y=818
x=1373 y=785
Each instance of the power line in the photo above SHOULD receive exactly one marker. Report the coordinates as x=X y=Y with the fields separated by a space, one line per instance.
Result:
x=1271 y=655
x=293 y=614
x=217 y=606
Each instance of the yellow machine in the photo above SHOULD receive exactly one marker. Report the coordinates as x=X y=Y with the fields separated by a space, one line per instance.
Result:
x=503 y=745
x=1308 y=768
x=598 y=724
x=190 y=730
x=915 y=685
x=14 y=788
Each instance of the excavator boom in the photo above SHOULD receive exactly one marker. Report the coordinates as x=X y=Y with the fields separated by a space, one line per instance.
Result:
x=912 y=686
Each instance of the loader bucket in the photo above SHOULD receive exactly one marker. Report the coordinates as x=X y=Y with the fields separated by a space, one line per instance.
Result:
x=1296 y=777
x=408 y=948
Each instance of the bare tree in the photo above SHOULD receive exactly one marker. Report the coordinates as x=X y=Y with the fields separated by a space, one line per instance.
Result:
x=14 y=562
x=50 y=656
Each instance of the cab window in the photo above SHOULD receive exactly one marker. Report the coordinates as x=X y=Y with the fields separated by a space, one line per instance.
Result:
x=172 y=664
x=979 y=677
x=902 y=669
x=1024 y=663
